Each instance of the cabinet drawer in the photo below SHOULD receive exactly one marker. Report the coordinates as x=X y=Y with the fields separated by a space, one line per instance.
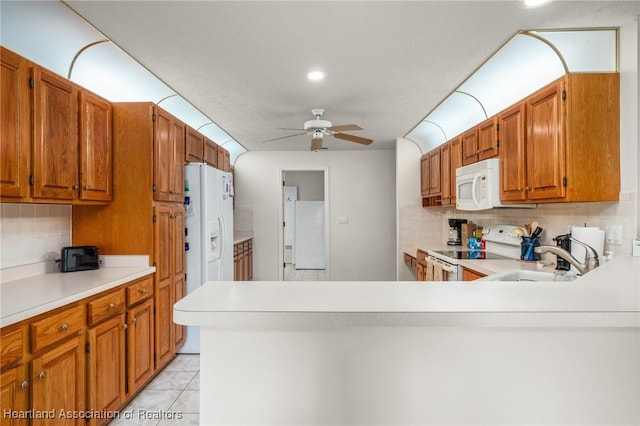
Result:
x=105 y=307
x=140 y=290
x=12 y=347
x=56 y=327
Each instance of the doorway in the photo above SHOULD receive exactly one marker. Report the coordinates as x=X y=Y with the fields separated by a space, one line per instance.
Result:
x=304 y=224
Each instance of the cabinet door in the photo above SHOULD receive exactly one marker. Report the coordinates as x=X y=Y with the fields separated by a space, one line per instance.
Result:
x=176 y=175
x=456 y=161
x=139 y=345
x=488 y=139
x=211 y=153
x=445 y=173
x=96 y=148
x=163 y=292
x=14 y=395
x=434 y=172
x=545 y=144
x=58 y=378
x=194 y=146
x=106 y=365
x=178 y=273
x=15 y=139
x=512 y=154
x=162 y=155
x=424 y=175
x=470 y=146
x=55 y=136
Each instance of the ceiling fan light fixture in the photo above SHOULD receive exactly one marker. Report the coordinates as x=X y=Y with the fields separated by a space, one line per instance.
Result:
x=535 y=3
x=315 y=75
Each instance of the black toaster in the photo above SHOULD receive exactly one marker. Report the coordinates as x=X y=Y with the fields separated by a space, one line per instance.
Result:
x=78 y=258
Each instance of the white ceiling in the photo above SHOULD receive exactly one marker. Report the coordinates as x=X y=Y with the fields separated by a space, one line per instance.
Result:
x=387 y=63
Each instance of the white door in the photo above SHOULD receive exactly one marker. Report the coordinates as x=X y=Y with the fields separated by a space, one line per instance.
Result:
x=290 y=198
x=309 y=235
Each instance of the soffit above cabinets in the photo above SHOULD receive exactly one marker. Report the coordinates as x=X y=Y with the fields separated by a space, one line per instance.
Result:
x=527 y=62
x=53 y=36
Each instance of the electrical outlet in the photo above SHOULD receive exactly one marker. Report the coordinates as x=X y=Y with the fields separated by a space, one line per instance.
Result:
x=613 y=234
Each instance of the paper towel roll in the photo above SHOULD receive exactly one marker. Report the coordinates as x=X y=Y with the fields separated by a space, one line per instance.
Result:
x=590 y=235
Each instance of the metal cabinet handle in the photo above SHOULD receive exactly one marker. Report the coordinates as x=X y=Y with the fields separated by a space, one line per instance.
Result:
x=64 y=327
x=76 y=187
x=134 y=320
x=24 y=384
x=142 y=290
x=86 y=187
x=125 y=326
x=111 y=306
x=527 y=188
x=42 y=375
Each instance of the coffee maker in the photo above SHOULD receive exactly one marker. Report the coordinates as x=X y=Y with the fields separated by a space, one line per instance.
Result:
x=455 y=232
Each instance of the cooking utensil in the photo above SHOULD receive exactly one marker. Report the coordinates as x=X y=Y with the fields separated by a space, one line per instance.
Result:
x=537 y=231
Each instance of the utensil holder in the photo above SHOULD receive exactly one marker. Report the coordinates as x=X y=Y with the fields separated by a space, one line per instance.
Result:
x=527 y=249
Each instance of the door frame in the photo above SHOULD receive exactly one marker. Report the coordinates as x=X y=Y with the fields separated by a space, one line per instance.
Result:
x=280 y=222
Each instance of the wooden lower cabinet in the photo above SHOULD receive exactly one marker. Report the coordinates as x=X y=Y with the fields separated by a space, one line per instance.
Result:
x=14 y=396
x=90 y=357
x=140 y=346
x=243 y=261
x=106 y=366
x=58 y=383
x=470 y=275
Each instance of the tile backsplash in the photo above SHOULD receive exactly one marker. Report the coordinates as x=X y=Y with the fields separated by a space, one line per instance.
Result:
x=33 y=233
x=428 y=226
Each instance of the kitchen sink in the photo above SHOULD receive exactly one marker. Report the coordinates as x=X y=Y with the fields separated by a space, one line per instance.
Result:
x=526 y=275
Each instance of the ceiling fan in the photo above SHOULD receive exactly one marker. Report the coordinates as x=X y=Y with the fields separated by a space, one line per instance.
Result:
x=319 y=128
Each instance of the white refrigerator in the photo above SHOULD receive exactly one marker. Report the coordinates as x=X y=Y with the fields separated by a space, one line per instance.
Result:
x=208 y=233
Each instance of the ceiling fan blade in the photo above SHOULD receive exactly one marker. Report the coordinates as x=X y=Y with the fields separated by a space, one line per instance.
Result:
x=316 y=144
x=344 y=128
x=351 y=138
x=284 y=137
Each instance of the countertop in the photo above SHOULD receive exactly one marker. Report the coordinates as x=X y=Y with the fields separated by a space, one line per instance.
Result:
x=606 y=296
x=26 y=297
x=241 y=236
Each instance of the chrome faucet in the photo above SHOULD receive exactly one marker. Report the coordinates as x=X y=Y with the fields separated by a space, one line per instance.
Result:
x=591 y=260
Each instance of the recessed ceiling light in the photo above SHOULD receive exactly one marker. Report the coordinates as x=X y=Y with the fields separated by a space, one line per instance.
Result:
x=315 y=75
x=535 y=3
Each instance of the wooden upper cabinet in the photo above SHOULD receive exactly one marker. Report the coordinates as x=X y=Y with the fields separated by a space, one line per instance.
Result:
x=96 y=148
x=55 y=133
x=456 y=162
x=434 y=172
x=15 y=140
x=169 y=134
x=488 y=139
x=445 y=170
x=512 y=154
x=546 y=143
x=424 y=175
x=211 y=152
x=194 y=146
x=469 y=141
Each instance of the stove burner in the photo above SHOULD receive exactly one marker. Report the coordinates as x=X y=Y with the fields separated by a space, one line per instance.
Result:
x=471 y=254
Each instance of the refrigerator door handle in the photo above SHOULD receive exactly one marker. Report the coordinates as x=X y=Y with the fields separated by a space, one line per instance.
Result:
x=223 y=236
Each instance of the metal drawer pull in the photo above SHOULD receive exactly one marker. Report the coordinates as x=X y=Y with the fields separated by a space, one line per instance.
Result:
x=64 y=327
x=24 y=384
x=134 y=320
x=86 y=187
x=142 y=290
x=42 y=375
x=112 y=306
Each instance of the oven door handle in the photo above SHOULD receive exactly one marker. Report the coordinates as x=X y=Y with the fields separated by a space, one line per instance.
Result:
x=448 y=268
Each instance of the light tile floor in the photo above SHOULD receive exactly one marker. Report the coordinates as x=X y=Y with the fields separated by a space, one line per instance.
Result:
x=293 y=274
x=174 y=392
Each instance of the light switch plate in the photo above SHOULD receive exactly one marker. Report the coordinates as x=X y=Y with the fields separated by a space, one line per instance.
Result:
x=613 y=234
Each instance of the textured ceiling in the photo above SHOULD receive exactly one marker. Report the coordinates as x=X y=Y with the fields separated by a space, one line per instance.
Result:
x=387 y=63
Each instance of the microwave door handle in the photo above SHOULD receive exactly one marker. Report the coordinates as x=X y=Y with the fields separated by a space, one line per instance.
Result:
x=474 y=187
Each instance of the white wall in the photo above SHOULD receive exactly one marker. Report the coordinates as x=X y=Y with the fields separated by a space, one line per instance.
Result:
x=361 y=187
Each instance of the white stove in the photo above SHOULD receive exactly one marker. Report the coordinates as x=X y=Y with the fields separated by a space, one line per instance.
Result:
x=502 y=242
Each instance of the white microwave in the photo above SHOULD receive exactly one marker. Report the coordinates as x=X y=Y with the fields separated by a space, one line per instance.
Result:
x=478 y=186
